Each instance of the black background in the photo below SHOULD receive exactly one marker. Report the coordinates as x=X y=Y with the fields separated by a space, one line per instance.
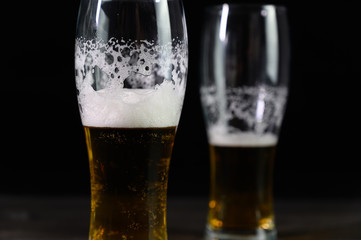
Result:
x=43 y=147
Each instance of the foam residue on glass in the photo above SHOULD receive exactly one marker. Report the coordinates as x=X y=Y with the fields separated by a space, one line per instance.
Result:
x=130 y=83
x=251 y=116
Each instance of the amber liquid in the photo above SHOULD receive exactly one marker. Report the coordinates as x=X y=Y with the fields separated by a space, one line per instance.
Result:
x=241 y=199
x=129 y=175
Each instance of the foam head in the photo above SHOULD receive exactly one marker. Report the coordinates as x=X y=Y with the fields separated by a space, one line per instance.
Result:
x=219 y=137
x=123 y=84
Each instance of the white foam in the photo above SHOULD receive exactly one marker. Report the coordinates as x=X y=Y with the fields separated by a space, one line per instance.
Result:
x=241 y=139
x=243 y=116
x=160 y=107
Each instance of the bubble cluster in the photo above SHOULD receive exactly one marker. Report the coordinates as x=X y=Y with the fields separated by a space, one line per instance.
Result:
x=130 y=83
x=246 y=116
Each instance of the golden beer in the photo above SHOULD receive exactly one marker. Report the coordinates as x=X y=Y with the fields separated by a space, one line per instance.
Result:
x=241 y=199
x=129 y=175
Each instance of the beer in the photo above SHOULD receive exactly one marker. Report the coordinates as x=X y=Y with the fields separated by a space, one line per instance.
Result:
x=244 y=88
x=241 y=199
x=129 y=174
x=129 y=139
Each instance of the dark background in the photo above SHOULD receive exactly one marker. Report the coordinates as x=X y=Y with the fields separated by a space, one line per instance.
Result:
x=43 y=148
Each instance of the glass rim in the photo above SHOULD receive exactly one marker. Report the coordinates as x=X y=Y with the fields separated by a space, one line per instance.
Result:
x=243 y=7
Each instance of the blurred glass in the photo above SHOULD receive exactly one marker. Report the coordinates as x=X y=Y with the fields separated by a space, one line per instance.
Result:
x=244 y=87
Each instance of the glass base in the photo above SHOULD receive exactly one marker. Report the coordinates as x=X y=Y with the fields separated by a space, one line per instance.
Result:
x=259 y=234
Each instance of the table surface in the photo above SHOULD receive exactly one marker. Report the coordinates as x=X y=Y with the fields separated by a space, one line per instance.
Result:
x=58 y=218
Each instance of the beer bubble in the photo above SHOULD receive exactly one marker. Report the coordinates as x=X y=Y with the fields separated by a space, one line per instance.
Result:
x=125 y=52
x=134 y=58
x=212 y=204
x=109 y=59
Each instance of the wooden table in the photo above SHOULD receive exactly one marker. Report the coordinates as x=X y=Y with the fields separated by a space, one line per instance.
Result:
x=60 y=218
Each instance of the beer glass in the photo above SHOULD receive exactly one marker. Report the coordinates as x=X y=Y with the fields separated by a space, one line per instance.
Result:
x=131 y=61
x=244 y=86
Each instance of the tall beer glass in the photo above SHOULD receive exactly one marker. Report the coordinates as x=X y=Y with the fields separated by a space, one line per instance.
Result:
x=131 y=60
x=245 y=61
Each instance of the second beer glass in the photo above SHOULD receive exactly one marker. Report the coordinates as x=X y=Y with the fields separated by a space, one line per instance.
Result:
x=244 y=87
x=131 y=60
